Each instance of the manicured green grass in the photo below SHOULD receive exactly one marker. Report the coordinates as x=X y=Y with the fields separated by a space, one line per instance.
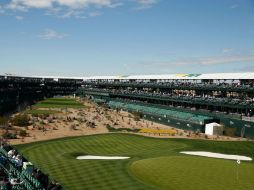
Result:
x=154 y=163
x=59 y=103
x=191 y=173
x=61 y=99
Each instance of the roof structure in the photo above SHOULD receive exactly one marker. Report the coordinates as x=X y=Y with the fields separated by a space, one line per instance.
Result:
x=216 y=76
x=209 y=76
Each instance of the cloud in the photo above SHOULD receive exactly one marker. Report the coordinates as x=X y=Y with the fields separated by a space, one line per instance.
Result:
x=45 y=4
x=226 y=59
x=19 y=18
x=227 y=50
x=234 y=6
x=22 y=5
x=50 y=34
x=145 y=4
x=70 y=8
x=114 y=5
x=2 y=11
x=72 y=13
x=79 y=4
x=205 y=61
x=94 y=14
x=248 y=68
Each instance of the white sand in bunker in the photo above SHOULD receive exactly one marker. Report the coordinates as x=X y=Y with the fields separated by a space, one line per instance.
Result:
x=217 y=155
x=89 y=157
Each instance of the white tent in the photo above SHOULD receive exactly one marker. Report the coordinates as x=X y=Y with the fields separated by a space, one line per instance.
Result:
x=213 y=129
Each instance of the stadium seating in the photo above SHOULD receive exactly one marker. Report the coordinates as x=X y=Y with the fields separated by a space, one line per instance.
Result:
x=197 y=119
x=28 y=181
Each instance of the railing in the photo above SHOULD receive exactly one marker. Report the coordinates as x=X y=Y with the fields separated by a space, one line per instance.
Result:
x=178 y=86
x=162 y=112
x=28 y=181
x=221 y=102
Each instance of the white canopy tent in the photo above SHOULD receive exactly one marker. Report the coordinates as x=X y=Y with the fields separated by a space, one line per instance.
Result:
x=213 y=129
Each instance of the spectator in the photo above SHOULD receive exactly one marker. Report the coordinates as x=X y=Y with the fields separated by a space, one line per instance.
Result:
x=56 y=187
x=11 y=153
x=7 y=184
x=3 y=160
x=51 y=185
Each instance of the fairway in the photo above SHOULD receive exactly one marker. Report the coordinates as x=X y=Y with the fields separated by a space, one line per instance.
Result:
x=153 y=164
x=59 y=103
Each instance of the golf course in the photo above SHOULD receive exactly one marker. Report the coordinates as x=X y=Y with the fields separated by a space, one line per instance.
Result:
x=153 y=163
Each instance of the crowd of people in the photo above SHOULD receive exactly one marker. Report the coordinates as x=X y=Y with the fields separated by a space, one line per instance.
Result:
x=242 y=102
x=175 y=83
x=10 y=180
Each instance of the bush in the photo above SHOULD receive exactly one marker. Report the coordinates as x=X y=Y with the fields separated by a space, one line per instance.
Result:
x=21 y=120
x=3 y=121
x=137 y=116
x=8 y=135
x=112 y=129
x=22 y=133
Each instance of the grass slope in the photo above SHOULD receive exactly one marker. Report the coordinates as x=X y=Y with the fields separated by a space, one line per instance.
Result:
x=150 y=158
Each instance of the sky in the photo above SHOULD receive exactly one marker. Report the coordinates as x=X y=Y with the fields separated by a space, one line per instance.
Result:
x=125 y=37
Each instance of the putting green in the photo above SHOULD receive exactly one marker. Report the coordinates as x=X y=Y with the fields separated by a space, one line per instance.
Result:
x=190 y=172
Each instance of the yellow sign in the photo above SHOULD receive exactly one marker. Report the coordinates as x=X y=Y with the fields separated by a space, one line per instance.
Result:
x=165 y=131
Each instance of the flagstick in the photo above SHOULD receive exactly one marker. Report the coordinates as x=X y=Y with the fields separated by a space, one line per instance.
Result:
x=238 y=162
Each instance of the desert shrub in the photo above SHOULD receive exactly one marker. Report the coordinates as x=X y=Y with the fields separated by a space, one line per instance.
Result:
x=137 y=116
x=73 y=127
x=35 y=115
x=108 y=117
x=8 y=135
x=22 y=133
x=21 y=120
x=112 y=129
x=50 y=120
x=91 y=124
x=42 y=123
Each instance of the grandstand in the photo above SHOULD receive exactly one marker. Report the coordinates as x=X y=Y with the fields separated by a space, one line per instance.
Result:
x=170 y=117
x=185 y=99
x=188 y=99
x=16 y=91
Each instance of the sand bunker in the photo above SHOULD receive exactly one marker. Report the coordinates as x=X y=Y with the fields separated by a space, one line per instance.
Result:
x=89 y=157
x=217 y=155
